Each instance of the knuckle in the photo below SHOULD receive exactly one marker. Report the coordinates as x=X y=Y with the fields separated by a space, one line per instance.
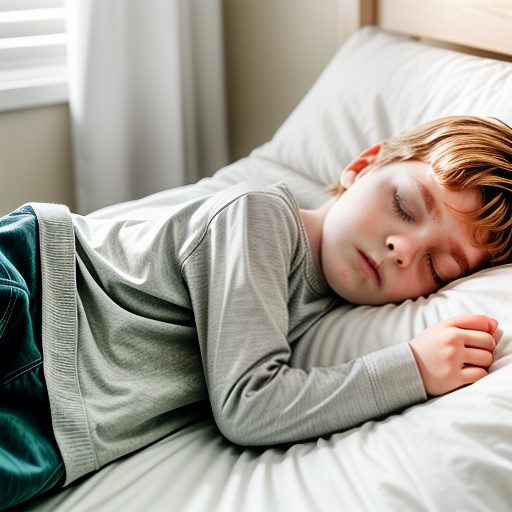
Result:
x=450 y=353
x=452 y=336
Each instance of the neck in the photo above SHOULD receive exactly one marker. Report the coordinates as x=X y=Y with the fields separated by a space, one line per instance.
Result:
x=313 y=222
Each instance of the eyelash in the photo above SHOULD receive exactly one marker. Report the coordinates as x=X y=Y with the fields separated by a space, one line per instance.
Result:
x=430 y=265
x=397 y=205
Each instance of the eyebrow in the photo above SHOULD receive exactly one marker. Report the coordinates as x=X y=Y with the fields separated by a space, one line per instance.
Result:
x=431 y=205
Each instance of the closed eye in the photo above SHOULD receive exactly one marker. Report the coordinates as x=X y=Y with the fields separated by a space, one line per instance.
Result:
x=435 y=275
x=397 y=206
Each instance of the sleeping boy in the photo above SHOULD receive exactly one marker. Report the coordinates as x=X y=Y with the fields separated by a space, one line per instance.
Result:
x=116 y=333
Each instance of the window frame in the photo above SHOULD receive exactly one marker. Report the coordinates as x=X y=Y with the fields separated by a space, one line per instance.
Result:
x=33 y=61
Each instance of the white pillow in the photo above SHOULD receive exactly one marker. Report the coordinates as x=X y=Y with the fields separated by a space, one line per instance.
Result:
x=376 y=86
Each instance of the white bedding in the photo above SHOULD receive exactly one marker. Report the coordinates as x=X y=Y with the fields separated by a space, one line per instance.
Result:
x=451 y=453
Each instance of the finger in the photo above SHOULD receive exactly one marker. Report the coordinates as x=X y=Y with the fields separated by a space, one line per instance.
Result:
x=476 y=322
x=471 y=374
x=479 y=339
x=478 y=357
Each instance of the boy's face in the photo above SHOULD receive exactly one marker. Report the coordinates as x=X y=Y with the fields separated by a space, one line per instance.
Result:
x=391 y=236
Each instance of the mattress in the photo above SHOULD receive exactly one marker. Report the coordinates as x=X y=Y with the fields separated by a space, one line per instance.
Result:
x=450 y=453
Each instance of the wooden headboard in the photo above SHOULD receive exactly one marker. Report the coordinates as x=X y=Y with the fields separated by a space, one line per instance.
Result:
x=481 y=27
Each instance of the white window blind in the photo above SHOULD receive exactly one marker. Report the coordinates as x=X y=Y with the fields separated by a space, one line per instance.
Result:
x=32 y=53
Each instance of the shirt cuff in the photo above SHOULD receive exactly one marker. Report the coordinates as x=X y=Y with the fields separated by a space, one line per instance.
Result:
x=395 y=377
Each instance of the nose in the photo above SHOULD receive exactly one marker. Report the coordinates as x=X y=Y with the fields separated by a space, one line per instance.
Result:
x=401 y=250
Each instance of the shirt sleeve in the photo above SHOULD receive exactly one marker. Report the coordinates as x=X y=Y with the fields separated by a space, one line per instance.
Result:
x=238 y=282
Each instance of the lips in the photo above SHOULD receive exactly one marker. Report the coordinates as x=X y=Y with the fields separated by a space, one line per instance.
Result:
x=370 y=266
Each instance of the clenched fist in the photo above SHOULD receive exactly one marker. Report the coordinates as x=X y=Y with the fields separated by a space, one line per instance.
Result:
x=454 y=352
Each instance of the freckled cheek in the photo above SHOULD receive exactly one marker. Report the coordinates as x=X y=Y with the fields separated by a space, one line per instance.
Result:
x=344 y=274
x=370 y=226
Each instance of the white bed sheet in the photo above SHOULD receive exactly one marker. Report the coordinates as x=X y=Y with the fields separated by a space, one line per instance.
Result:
x=452 y=453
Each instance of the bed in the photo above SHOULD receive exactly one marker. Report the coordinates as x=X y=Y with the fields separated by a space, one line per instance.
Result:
x=404 y=63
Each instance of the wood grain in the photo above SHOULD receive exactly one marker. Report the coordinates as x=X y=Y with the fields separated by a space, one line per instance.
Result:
x=480 y=24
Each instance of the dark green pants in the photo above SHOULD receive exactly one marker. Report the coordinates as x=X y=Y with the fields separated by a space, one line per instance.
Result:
x=30 y=461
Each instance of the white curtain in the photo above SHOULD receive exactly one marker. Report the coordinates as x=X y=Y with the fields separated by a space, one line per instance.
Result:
x=147 y=100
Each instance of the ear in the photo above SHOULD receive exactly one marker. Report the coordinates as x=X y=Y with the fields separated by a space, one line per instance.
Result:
x=349 y=174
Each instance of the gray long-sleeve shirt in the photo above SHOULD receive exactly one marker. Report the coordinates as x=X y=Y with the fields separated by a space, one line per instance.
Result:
x=205 y=302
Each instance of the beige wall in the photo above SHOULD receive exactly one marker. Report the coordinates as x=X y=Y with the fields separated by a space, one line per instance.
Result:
x=35 y=157
x=275 y=49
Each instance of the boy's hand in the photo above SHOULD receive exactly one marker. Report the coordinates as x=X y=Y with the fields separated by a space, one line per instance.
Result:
x=454 y=352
